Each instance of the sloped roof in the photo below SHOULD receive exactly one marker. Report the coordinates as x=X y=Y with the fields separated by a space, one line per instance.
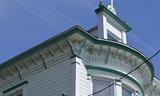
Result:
x=39 y=47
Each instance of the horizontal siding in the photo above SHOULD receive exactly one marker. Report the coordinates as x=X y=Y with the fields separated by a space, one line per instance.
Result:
x=59 y=77
x=54 y=81
x=81 y=76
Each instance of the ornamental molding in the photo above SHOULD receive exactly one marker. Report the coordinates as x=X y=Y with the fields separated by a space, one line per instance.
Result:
x=54 y=54
x=88 y=49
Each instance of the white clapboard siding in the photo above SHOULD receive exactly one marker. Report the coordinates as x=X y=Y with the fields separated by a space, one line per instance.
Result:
x=53 y=81
x=67 y=77
x=81 y=79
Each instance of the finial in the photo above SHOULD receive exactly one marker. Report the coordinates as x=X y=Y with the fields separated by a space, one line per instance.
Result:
x=111 y=3
x=111 y=8
x=100 y=3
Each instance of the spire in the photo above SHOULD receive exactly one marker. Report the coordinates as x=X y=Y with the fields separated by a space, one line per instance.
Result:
x=111 y=7
x=101 y=3
x=111 y=3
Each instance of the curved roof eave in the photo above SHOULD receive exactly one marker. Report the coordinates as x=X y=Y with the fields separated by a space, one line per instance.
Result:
x=122 y=46
x=82 y=32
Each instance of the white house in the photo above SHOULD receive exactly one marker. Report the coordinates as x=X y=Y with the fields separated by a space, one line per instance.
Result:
x=82 y=63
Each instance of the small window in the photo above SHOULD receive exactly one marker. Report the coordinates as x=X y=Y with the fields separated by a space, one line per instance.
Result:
x=126 y=92
x=99 y=85
x=112 y=36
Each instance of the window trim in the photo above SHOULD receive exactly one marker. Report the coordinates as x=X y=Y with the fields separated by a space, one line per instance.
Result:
x=103 y=79
x=128 y=88
x=117 y=39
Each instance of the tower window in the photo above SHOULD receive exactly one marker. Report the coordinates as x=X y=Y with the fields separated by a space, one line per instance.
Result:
x=112 y=36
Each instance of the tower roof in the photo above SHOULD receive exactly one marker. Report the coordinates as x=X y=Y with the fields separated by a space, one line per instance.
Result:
x=123 y=24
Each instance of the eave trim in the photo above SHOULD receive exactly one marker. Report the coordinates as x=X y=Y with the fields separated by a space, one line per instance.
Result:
x=76 y=30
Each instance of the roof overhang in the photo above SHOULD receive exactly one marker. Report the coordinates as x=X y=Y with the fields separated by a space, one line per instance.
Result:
x=70 y=32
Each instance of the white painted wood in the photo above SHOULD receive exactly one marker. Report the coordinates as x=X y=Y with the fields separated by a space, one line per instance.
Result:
x=124 y=38
x=66 y=75
x=53 y=81
x=81 y=88
x=107 y=23
x=114 y=30
x=90 y=85
x=102 y=26
x=118 y=88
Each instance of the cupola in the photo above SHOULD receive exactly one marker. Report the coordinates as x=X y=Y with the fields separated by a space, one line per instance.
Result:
x=110 y=26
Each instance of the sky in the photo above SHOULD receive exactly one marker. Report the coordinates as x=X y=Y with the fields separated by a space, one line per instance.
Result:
x=26 y=23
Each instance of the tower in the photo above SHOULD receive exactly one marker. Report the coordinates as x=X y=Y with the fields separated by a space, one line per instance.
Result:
x=110 y=26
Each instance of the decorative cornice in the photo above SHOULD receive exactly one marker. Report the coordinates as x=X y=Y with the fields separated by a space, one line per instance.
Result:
x=81 y=32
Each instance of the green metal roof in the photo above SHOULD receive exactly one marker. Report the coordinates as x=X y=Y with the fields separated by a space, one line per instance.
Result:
x=102 y=8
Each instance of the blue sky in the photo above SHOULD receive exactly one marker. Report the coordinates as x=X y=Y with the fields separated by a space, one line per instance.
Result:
x=26 y=23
